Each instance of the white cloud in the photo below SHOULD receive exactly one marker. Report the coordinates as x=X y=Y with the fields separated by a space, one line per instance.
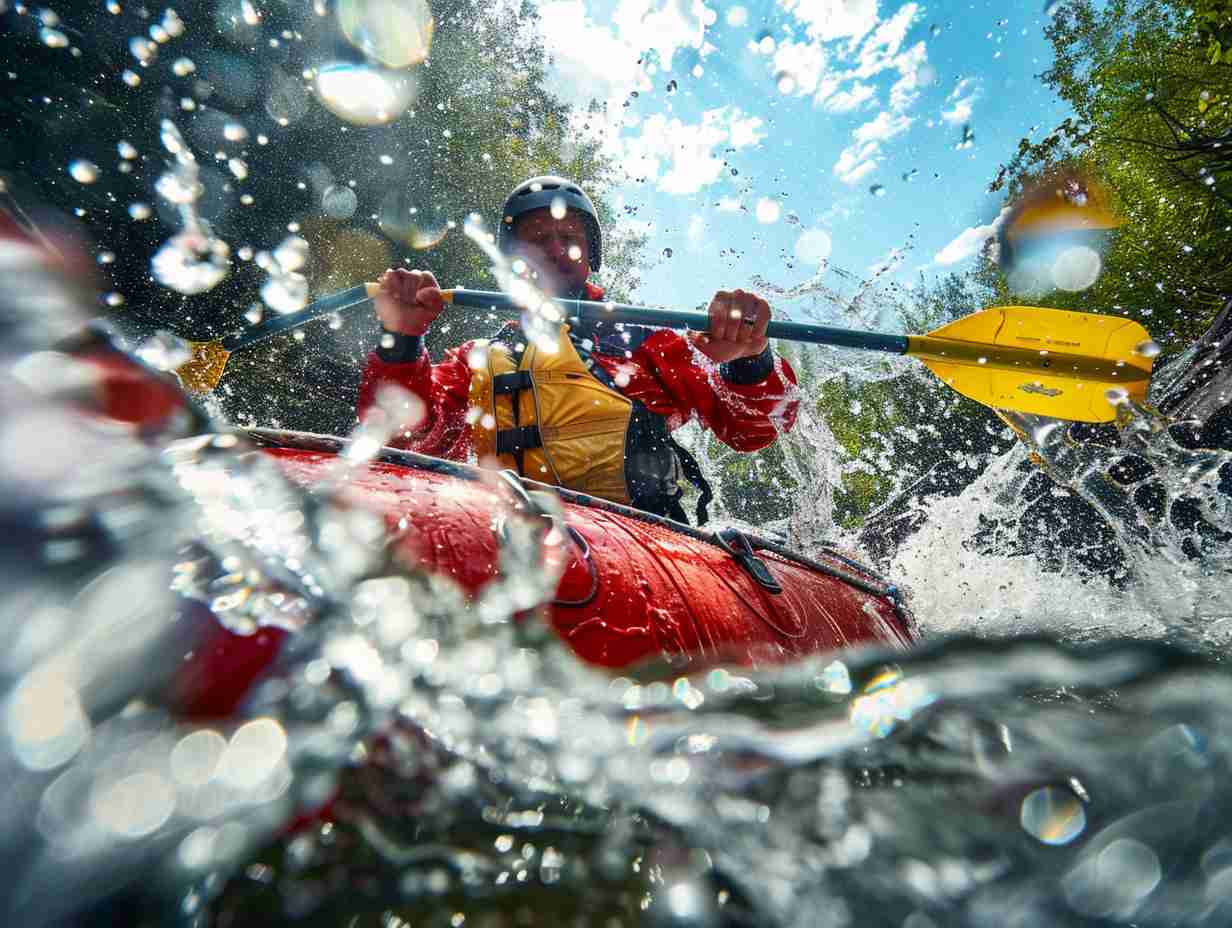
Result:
x=915 y=73
x=884 y=127
x=963 y=98
x=664 y=26
x=804 y=61
x=846 y=101
x=827 y=20
x=861 y=158
x=857 y=162
x=680 y=156
x=880 y=50
x=742 y=132
x=575 y=43
x=970 y=241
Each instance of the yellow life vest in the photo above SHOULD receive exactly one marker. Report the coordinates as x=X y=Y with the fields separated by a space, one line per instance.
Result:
x=551 y=419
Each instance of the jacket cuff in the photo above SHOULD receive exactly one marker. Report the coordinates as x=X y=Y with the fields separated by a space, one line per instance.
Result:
x=405 y=348
x=744 y=372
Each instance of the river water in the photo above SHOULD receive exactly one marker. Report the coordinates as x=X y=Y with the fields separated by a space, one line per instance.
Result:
x=1055 y=752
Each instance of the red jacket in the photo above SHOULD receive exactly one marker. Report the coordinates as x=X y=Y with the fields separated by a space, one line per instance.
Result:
x=663 y=373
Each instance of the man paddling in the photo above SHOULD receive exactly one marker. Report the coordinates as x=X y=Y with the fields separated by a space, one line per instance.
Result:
x=595 y=415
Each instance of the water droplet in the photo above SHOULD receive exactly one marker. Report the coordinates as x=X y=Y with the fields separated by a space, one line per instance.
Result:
x=667 y=252
x=53 y=38
x=814 y=246
x=877 y=190
x=132 y=78
x=234 y=132
x=143 y=49
x=785 y=83
x=339 y=202
x=238 y=167
x=139 y=211
x=126 y=150
x=1076 y=268
x=365 y=95
x=183 y=67
x=934 y=30
x=114 y=299
x=164 y=351
x=292 y=253
x=191 y=262
x=396 y=33
x=1053 y=815
x=575 y=253
x=768 y=211
x=84 y=172
x=671 y=87
x=557 y=208
x=106 y=257
x=982 y=360
x=1148 y=349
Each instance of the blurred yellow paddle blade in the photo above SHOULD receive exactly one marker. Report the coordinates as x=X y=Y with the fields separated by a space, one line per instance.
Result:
x=1051 y=362
x=201 y=372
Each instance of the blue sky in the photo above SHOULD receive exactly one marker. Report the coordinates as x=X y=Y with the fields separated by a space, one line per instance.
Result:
x=812 y=103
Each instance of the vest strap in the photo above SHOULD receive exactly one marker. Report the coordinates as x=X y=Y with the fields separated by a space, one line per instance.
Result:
x=517 y=440
x=693 y=474
x=512 y=382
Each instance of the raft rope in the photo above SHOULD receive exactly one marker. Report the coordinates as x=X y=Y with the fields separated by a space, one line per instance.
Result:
x=871 y=582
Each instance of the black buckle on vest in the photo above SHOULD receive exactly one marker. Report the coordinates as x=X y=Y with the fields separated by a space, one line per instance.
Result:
x=513 y=441
x=511 y=382
x=734 y=543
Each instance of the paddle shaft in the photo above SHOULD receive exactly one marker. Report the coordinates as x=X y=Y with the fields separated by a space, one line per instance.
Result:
x=359 y=296
x=343 y=301
x=588 y=311
x=927 y=348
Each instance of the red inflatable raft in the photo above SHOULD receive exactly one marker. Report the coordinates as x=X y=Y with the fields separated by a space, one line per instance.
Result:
x=636 y=587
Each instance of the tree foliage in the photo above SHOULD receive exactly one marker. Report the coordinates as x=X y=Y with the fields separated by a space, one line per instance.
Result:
x=485 y=117
x=1153 y=121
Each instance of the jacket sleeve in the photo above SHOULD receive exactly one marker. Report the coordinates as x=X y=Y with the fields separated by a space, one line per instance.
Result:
x=746 y=403
x=443 y=388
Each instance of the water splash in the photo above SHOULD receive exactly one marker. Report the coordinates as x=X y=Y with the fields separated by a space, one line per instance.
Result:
x=194 y=260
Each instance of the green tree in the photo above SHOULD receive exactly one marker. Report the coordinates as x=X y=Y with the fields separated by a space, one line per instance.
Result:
x=1152 y=121
x=485 y=117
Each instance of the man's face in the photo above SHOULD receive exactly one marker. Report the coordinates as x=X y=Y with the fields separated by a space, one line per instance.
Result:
x=556 y=250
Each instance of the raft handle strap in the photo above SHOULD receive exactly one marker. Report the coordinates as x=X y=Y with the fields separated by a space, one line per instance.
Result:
x=737 y=545
x=528 y=504
x=584 y=550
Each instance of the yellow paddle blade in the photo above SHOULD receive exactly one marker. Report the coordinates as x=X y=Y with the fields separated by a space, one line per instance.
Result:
x=201 y=372
x=1051 y=362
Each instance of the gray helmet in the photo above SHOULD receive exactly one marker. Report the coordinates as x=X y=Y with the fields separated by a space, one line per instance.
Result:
x=540 y=193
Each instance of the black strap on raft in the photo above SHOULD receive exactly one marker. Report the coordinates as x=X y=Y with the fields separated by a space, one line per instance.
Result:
x=734 y=542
